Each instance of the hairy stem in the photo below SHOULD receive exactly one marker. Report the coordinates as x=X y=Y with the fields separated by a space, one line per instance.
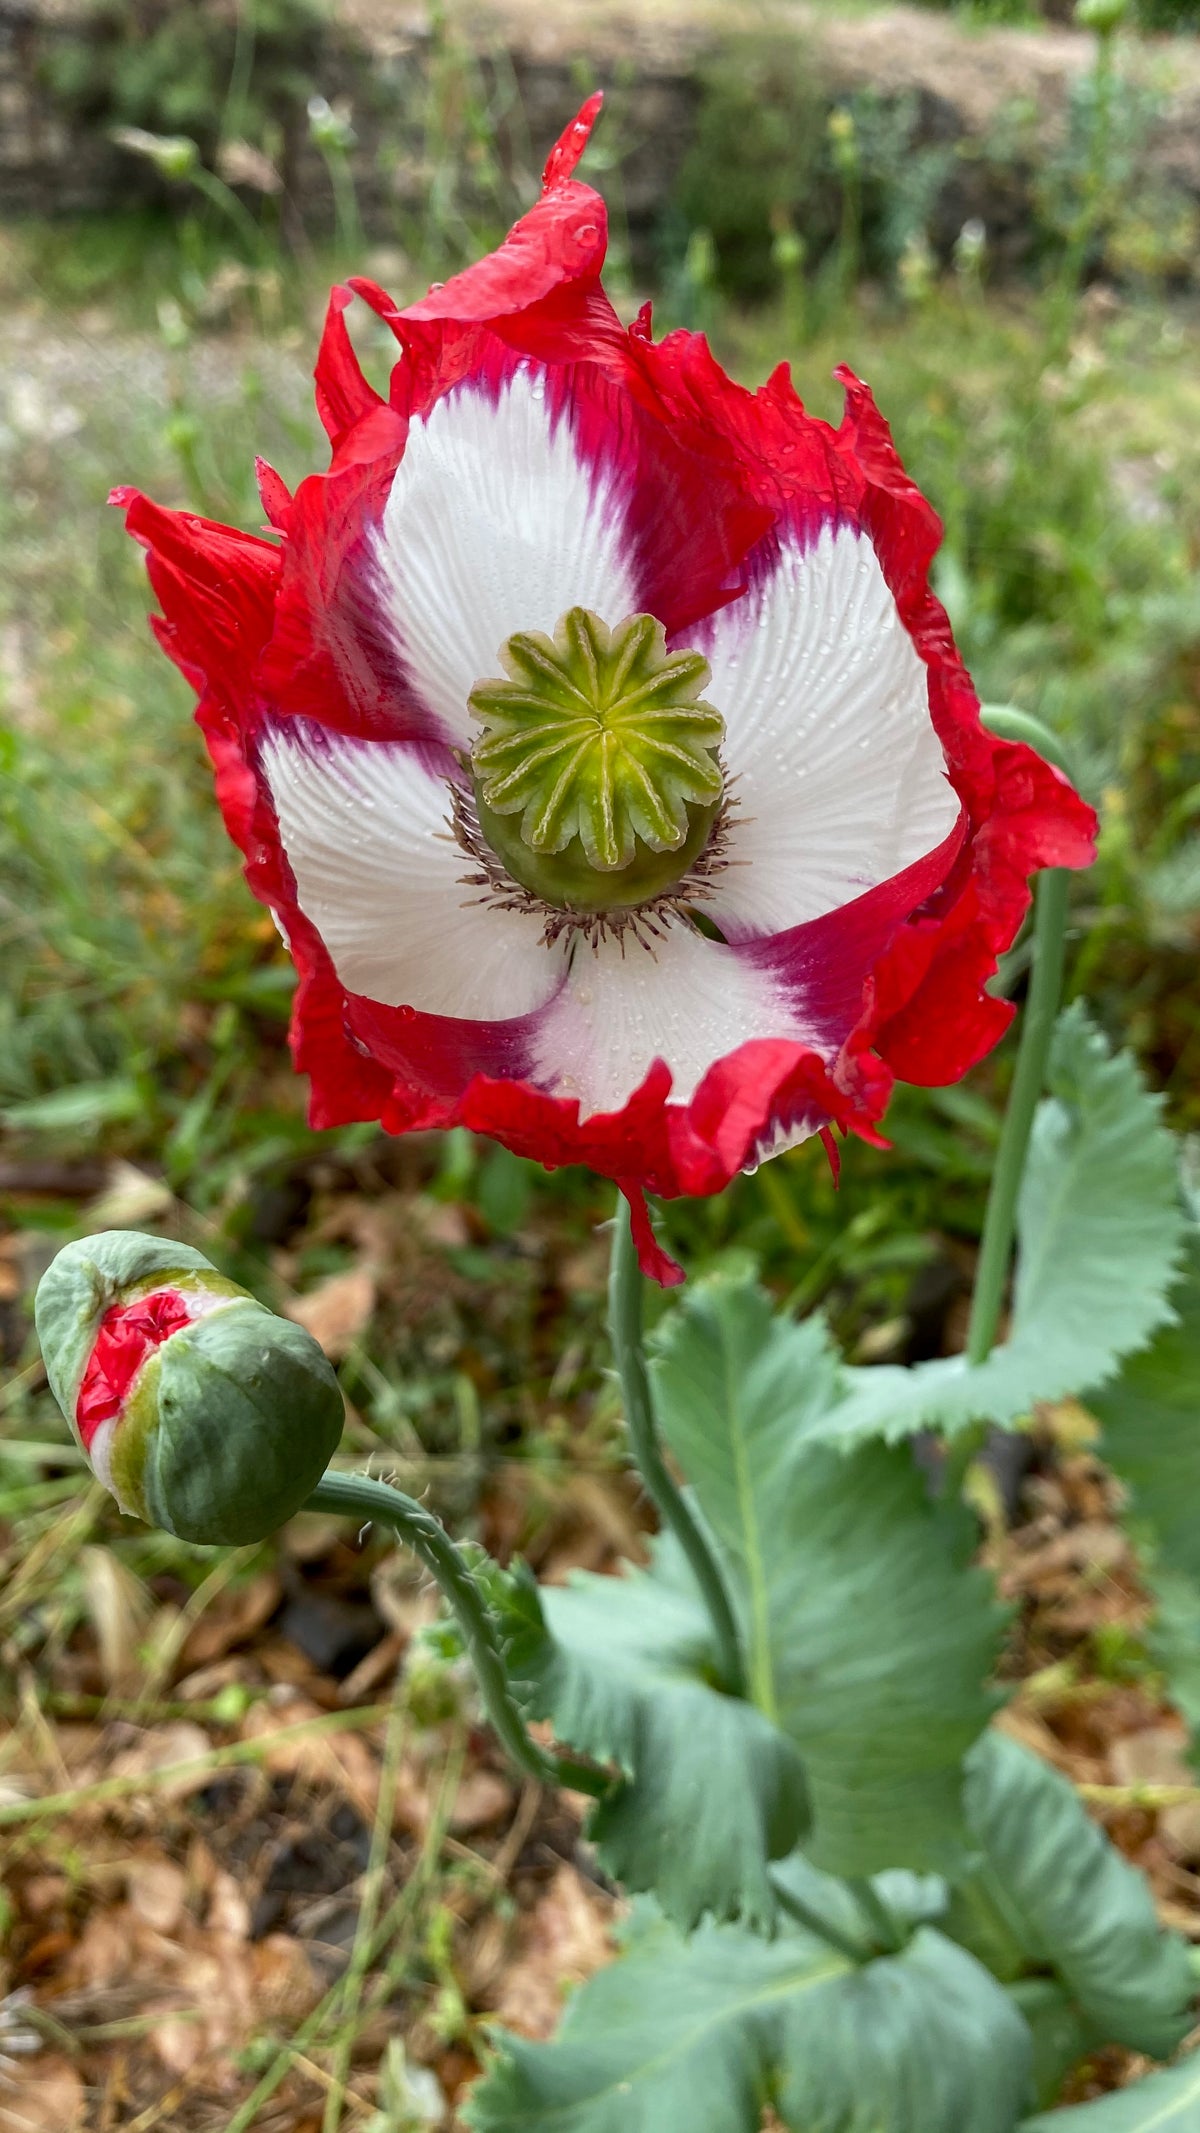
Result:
x=629 y=1355
x=359 y=1496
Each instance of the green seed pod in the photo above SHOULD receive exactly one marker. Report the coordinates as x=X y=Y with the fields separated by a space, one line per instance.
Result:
x=202 y=1411
x=1104 y=16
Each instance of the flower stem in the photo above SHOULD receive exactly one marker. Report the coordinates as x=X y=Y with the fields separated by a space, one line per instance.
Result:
x=813 y=1923
x=884 y=1928
x=999 y=1227
x=1037 y=1031
x=360 y=1496
x=629 y=1355
x=224 y=198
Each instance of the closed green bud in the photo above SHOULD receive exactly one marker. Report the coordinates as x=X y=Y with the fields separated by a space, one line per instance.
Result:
x=202 y=1411
x=1102 y=15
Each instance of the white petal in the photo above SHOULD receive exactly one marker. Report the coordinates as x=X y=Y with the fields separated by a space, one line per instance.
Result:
x=777 y=1140
x=840 y=776
x=494 y=523
x=99 y=1452
x=365 y=829
x=689 y=1001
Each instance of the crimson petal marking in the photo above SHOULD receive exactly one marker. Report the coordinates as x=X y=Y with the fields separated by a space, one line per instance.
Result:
x=365 y=829
x=494 y=523
x=823 y=967
x=438 y=1055
x=840 y=777
x=689 y=1002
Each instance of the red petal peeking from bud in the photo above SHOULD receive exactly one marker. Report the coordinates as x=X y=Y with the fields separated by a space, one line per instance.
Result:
x=197 y=1408
x=128 y=1334
x=536 y=460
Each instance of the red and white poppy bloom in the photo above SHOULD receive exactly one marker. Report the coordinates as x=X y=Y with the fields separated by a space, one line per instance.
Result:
x=593 y=733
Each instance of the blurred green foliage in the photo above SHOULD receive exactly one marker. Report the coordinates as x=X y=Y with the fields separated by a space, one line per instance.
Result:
x=1147 y=14
x=205 y=69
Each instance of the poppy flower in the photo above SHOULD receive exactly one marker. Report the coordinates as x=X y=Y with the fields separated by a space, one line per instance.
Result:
x=593 y=733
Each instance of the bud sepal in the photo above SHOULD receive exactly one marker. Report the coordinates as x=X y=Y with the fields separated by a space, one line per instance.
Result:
x=200 y=1410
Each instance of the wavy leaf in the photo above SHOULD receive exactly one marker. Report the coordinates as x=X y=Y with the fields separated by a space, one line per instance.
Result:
x=1174 y=1642
x=1150 y=1417
x=1162 y=2103
x=1053 y=1892
x=697 y=2036
x=1099 y=1227
x=621 y=1665
x=868 y=1636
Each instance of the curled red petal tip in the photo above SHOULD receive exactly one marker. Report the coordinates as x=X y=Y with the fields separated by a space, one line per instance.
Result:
x=565 y=154
x=275 y=495
x=832 y=1151
x=652 y=1259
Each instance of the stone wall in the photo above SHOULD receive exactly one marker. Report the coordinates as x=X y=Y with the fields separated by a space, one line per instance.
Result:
x=535 y=57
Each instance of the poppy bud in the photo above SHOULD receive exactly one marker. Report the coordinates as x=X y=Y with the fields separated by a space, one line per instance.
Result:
x=200 y=1410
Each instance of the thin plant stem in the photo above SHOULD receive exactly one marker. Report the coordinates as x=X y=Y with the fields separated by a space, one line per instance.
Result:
x=233 y=115
x=345 y=201
x=845 y=1944
x=883 y=1926
x=629 y=1355
x=1037 y=1031
x=223 y=197
x=359 y=1496
x=999 y=1227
